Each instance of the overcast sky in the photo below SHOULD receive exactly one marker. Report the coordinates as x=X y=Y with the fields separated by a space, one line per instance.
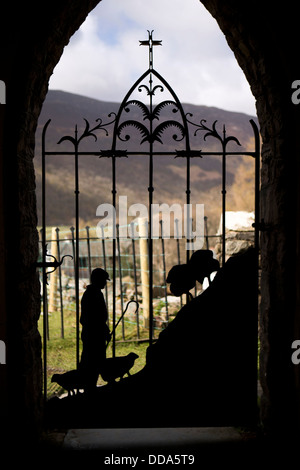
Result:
x=104 y=59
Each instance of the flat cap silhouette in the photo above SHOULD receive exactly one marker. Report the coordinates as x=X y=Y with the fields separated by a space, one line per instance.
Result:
x=70 y=381
x=117 y=367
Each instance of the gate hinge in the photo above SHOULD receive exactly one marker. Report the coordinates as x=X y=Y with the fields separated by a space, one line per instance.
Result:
x=51 y=264
x=261 y=226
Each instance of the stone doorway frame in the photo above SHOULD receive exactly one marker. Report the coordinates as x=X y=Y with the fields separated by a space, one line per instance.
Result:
x=29 y=54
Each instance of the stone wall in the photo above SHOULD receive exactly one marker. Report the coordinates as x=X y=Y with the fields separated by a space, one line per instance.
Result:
x=254 y=31
x=239 y=234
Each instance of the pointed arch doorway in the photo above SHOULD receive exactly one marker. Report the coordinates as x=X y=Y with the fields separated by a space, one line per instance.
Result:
x=151 y=123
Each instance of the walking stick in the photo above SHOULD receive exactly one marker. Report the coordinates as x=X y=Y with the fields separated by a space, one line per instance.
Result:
x=126 y=308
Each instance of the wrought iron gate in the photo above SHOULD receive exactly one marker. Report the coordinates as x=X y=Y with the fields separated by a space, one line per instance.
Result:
x=151 y=128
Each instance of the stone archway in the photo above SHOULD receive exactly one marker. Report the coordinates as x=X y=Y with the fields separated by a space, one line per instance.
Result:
x=29 y=53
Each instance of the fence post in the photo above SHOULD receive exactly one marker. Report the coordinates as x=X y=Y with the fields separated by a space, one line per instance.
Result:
x=164 y=267
x=144 y=256
x=60 y=286
x=73 y=248
x=120 y=279
x=178 y=251
x=53 y=276
x=206 y=232
x=105 y=269
x=135 y=278
x=45 y=309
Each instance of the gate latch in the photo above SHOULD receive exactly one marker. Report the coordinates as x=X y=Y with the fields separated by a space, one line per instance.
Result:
x=51 y=264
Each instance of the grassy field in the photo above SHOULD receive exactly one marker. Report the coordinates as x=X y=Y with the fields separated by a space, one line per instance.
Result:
x=61 y=352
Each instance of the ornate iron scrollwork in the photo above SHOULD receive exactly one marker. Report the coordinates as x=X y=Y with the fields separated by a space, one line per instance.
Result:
x=88 y=131
x=155 y=123
x=151 y=135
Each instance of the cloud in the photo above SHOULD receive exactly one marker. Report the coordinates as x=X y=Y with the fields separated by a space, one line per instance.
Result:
x=103 y=59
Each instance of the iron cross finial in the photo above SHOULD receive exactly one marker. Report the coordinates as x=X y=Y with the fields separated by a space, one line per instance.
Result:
x=151 y=42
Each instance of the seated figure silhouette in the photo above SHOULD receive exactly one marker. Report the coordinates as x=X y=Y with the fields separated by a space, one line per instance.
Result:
x=204 y=362
x=182 y=277
x=95 y=332
x=202 y=264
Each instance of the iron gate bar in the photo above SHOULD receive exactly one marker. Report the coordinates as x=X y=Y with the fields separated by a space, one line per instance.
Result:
x=206 y=233
x=176 y=153
x=256 y=220
x=76 y=191
x=120 y=279
x=88 y=249
x=44 y=254
x=150 y=135
x=257 y=185
x=224 y=140
x=164 y=268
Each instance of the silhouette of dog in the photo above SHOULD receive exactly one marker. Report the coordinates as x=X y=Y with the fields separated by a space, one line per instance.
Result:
x=70 y=381
x=117 y=367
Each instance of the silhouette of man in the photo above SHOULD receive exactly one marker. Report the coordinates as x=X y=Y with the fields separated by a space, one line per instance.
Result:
x=180 y=279
x=202 y=264
x=95 y=332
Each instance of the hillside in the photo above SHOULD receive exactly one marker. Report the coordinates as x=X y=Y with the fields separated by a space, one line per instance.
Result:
x=67 y=109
